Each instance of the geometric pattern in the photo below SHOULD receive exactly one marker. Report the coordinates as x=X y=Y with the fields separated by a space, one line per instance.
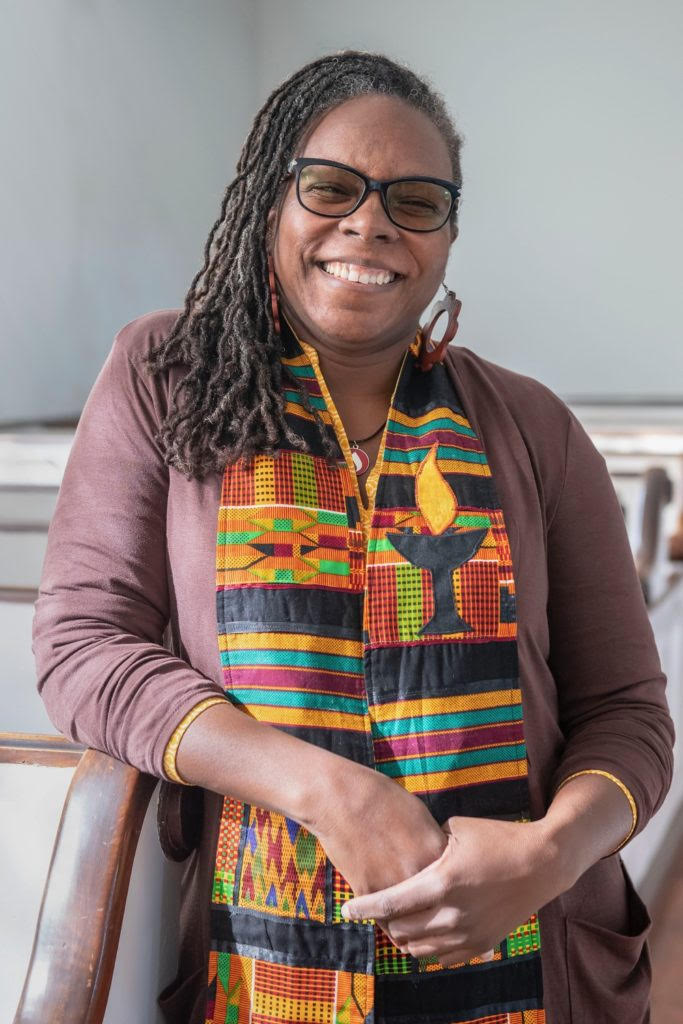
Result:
x=390 y=960
x=248 y=989
x=400 y=595
x=308 y=596
x=227 y=850
x=429 y=744
x=283 y=868
x=525 y=939
x=242 y=988
x=281 y=544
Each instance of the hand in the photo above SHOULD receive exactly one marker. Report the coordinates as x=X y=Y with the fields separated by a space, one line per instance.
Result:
x=491 y=877
x=375 y=832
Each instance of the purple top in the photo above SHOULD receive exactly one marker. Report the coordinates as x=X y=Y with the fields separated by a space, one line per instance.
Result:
x=125 y=633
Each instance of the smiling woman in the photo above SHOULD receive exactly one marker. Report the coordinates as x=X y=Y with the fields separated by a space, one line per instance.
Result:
x=410 y=671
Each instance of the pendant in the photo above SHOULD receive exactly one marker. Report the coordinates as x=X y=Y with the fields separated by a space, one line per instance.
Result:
x=361 y=462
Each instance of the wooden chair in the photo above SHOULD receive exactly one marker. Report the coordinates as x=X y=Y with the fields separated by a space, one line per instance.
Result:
x=80 y=919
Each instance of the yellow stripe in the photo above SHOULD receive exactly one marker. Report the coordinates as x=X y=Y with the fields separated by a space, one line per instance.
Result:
x=289 y=1009
x=290 y=642
x=313 y=718
x=264 y=478
x=434 y=414
x=463 y=776
x=304 y=414
x=295 y=360
x=445 y=465
x=442 y=705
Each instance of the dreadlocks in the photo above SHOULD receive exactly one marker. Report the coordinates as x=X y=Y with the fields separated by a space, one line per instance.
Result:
x=230 y=403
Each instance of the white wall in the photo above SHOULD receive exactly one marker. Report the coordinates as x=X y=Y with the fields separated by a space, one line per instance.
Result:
x=123 y=121
x=122 y=124
x=568 y=261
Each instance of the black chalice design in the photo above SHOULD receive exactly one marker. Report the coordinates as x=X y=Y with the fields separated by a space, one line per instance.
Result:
x=440 y=554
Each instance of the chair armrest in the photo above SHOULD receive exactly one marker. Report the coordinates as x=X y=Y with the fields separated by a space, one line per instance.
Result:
x=79 y=924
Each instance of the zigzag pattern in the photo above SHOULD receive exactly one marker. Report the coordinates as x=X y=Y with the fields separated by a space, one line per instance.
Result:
x=283 y=868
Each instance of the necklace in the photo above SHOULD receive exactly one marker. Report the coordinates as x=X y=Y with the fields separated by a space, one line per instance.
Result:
x=360 y=458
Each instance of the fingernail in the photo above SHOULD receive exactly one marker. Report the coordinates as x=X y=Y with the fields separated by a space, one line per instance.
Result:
x=488 y=956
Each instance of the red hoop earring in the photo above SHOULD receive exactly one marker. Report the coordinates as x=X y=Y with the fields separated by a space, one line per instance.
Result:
x=451 y=305
x=274 y=304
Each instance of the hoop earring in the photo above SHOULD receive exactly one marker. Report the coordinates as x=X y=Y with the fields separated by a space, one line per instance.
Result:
x=274 y=304
x=451 y=305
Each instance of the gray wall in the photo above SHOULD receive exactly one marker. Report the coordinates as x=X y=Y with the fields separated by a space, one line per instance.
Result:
x=125 y=120
x=568 y=261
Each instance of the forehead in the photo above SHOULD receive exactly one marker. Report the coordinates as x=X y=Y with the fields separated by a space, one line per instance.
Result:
x=382 y=136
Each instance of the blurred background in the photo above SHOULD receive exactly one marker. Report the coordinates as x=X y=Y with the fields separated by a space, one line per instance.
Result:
x=122 y=124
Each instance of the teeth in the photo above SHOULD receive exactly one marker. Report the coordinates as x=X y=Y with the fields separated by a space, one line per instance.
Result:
x=348 y=272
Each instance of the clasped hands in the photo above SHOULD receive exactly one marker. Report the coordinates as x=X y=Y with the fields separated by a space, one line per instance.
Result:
x=490 y=877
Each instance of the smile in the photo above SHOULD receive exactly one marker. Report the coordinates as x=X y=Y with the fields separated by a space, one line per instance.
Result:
x=357 y=274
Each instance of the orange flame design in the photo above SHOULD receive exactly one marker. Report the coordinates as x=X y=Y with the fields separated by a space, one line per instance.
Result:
x=433 y=496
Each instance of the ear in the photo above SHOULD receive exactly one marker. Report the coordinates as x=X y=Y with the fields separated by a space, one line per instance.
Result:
x=455 y=231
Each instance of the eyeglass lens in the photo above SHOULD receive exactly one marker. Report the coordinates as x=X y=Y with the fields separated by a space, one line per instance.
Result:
x=334 y=191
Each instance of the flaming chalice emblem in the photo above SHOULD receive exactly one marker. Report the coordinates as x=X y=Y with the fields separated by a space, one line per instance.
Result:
x=441 y=551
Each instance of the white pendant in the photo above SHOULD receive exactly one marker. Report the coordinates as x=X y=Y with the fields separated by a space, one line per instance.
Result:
x=360 y=460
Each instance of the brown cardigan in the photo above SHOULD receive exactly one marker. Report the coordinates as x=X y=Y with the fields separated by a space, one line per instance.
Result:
x=132 y=548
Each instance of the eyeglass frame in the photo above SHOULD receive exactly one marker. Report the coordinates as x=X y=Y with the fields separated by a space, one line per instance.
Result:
x=297 y=164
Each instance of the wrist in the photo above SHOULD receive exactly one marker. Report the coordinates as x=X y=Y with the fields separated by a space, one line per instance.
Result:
x=561 y=858
x=335 y=783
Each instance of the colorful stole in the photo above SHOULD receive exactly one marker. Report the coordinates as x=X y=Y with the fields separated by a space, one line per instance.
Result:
x=391 y=641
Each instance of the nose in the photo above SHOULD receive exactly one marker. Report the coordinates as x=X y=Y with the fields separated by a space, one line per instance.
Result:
x=369 y=221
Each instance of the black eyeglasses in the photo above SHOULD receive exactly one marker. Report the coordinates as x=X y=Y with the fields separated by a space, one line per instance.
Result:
x=331 y=189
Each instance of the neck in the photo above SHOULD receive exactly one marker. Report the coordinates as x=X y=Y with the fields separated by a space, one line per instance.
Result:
x=355 y=372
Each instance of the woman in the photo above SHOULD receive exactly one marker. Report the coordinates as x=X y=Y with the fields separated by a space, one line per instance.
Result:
x=422 y=577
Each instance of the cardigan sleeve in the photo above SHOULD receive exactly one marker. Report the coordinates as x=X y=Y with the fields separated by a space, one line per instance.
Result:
x=103 y=673
x=611 y=690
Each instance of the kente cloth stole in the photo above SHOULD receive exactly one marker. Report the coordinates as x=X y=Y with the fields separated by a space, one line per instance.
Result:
x=392 y=642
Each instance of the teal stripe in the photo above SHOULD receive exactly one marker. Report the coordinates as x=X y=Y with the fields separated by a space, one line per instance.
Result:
x=447 y=762
x=293 y=659
x=425 y=428
x=299 y=699
x=443 y=452
x=450 y=720
x=316 y=401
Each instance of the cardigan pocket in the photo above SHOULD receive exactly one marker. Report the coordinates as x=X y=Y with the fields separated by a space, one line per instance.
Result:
x=609 y=972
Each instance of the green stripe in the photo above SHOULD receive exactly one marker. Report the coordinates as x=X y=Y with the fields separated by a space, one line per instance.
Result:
x=424 y=428
x=303 y=478
x=443 y=452
x=449 y=720
x=316 y=400
x=380 y=544
x=466 y=519
x=447 y=762
x=293 y=659
x=410 y=614
x=299 y=699
x=237 y=536
x=323 y=515
x=384 y=544
x=334 y=568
